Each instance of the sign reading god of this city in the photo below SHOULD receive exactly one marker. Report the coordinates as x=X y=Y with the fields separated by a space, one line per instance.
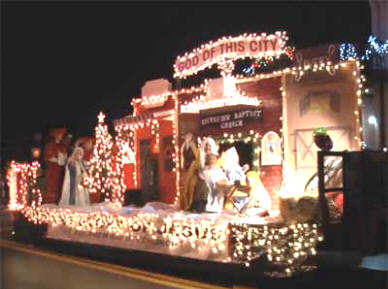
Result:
x=231 y=119
x=230 y=48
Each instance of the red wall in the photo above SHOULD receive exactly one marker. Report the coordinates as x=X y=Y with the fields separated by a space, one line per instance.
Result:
x=167 y=180
x=167 y=188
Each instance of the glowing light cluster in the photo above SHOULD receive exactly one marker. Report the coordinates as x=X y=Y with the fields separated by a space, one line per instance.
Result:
x=226 y=67
x=375 y=47
x=348 y=52
x=266 y=61
x=23 y=185
x=252 y=136
x=116 y=175
x=287 y=246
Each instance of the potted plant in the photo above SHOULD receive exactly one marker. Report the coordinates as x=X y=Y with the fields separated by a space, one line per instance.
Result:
x=322 y=139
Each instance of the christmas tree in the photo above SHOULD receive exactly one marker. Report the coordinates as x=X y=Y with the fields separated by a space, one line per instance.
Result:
x=99 y=172
x=117 y=173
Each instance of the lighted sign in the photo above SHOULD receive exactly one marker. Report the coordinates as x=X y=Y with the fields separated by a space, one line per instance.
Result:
x=230 y=48
x=316 y=57
x=236 y=118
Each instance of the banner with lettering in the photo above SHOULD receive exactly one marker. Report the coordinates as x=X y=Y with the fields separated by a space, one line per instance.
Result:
x=230 y=48
x=230 y=117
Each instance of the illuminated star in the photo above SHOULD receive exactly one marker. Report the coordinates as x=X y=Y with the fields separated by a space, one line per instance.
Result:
x=101 y=117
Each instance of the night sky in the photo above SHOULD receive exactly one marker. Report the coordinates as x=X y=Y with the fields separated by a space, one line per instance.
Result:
x=62 y=63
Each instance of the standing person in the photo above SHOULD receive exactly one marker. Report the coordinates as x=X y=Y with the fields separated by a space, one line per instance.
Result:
x=188 y=152
x=87 y=143
x=67 y=143
x=55 y=156
x=73 y=193
x=188 y=199
x=216 y=180
x=195 y=189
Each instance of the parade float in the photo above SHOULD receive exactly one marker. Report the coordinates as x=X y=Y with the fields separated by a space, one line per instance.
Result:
x=262 y=123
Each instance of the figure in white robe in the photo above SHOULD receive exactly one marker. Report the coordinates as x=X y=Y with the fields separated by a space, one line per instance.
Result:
x=73 y=192
x=234 y=172
x=216 y=180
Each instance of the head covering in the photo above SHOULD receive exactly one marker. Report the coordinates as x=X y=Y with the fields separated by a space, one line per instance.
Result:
x=75 y=152
x=231 y=158
x=213 y=146
x=85 y=140
x=58 y=132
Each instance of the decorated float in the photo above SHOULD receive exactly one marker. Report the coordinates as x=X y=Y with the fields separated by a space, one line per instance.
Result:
x=224 y=169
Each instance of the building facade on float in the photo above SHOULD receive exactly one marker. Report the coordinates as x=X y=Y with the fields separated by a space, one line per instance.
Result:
x=269 y=118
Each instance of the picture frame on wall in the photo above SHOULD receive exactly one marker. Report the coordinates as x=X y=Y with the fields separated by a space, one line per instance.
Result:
x=271 y=152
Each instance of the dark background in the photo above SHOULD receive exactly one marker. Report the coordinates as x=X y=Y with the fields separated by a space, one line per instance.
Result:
x=62 y=63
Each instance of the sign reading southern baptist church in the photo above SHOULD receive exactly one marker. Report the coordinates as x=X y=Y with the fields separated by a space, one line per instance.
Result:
x=235 y=118
x=229 y=49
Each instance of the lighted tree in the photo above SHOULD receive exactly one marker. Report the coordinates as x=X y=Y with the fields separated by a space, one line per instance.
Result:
x=98 y=179
x=117 y=173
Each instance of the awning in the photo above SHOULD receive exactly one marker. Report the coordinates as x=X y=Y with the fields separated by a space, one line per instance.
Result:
x=133 y=119
x=129 y=119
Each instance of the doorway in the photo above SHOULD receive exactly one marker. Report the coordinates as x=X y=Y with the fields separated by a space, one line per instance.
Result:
x=149 y=168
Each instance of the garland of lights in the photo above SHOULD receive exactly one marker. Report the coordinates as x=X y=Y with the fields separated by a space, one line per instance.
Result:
x=22 y=183
x=263 y=62
x=252 y=137
x=117 y=175
x=175 y=155
x=359 y=80
x=231 y=138
x=375 y=47
x=288 y=247
x=348 y=52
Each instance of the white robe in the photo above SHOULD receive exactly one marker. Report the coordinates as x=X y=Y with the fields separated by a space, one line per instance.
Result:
x=215 y=200
x=81 y=193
